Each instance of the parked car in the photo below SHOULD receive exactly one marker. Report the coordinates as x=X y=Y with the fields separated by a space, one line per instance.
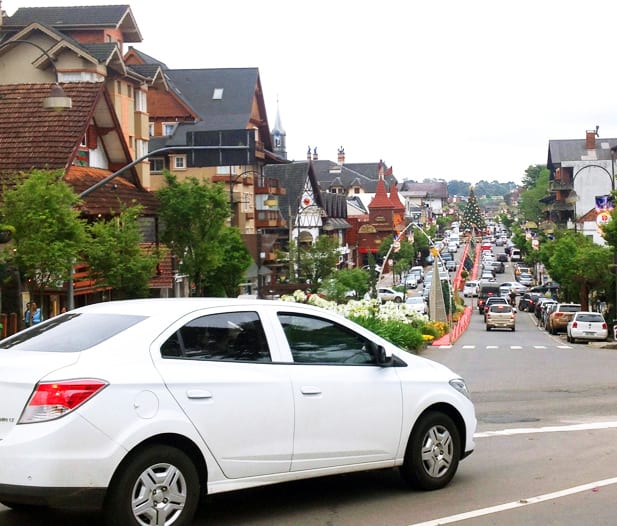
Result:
x=500 y=316
x=142 y=407
x=526 y=279
x=470 y=290
x=528 y=301
x=519 y=288
x=411 y=281
x=587 y=326
x=561 y=315
x=417 y=304
x=387 y=294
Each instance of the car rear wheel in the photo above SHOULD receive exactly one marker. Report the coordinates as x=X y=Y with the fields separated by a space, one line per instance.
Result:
x=157 y=486
x=433 y=452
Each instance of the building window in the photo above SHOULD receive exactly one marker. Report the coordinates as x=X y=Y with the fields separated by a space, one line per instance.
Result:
x=151 y=129
x=246 y=202
x=180 y=162
x=130 y=91
x=217 y=94
x=157 y=165
x=226 y=170
x=168 y=129
x=141 y=103
x=141 y=148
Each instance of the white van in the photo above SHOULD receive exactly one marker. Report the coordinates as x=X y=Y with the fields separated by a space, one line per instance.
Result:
x=515 y=254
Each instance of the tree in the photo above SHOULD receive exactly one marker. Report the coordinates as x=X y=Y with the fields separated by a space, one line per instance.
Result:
x=116 y=258
x=49 y=236
x=532 y=174
x=224 y=280
x=472 y=217
x=193 y=215
x=318 y=261
x=530 y=206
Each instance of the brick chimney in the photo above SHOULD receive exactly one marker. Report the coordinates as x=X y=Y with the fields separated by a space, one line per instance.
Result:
x=308 y=153
x=341 y=155
x=315 y=156
x=590 y=139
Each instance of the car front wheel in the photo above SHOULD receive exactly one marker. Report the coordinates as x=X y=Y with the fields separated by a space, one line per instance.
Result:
x=157 y=486
x=433 y=452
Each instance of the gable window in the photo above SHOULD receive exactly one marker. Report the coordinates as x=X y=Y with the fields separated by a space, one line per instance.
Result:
x=179 y=162
x=168 y=128
x=157 y=165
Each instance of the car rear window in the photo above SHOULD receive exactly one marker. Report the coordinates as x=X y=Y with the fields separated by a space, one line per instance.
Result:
x=569 y=308
x=590 y=317
x=500 y=308
x=71 y=332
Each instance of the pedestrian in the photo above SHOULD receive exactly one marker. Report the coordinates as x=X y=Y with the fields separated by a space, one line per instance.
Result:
x=35 y=314
x=512 y=297
x=26 y=319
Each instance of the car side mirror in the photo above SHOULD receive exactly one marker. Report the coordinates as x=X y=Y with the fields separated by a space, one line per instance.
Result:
x=379 y=354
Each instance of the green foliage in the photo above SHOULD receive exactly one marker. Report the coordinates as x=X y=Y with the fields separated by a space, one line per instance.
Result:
x=192 y=218
x=493 y=188
x=116 y=258
x=48 y=234
x=237 y=260
x=404 y=335
x=532 y=175
x=530 y=207
x=472 y=216
x=344 y=281
x=318 y=261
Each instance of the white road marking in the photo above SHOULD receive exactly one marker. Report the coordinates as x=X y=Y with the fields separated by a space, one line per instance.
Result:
x=528 y=500
x=518 y=503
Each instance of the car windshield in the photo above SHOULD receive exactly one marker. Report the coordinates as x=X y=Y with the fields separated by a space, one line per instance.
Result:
x=71 y=332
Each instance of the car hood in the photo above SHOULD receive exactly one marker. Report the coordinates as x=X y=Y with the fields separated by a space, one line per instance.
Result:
x=19 y=373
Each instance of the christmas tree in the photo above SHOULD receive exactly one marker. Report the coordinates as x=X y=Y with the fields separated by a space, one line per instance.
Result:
x=472 y=217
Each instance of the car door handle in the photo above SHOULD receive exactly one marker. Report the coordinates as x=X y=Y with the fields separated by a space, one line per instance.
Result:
x=198 y=394
x=310 y=390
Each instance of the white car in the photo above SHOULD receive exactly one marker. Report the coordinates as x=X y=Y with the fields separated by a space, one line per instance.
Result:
x=416 y=304
x=411 y=281
x=142 y=407
x=587 y=326
x=470 y=290
x=387 y=294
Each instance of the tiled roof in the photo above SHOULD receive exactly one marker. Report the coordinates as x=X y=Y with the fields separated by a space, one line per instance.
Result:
x=78 y=18
x=109 y=197
x=33 y=137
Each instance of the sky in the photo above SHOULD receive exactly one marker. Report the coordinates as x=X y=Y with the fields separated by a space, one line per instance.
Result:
x=453 y=89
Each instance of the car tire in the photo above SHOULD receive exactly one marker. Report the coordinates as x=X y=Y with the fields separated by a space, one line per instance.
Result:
x=433 y=452
x=398 y=300
x=140 y=491
x=488 y=328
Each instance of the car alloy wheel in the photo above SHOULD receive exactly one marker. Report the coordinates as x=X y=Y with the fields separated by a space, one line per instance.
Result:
x=433 y=452
x=157 y=487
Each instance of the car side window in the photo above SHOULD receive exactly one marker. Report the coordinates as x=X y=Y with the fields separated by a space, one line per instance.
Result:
x=235 y=336
x=314 y=340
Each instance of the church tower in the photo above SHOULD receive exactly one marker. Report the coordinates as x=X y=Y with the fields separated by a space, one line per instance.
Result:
x=279 y=137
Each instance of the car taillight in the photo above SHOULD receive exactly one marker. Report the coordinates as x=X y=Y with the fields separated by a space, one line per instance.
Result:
x=574 y=324
x=52 y=400
x=604 y=326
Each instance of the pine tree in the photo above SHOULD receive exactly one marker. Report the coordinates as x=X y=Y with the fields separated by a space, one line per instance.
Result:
x=472 y=217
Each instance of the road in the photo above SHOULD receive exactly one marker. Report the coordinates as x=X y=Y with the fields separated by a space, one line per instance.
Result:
x=546 y=450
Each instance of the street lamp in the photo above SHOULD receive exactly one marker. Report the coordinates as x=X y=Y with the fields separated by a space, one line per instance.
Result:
x=57 y=100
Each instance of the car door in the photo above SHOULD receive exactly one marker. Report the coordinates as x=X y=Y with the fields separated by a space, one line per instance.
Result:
x=219 y=368
x=348 y=409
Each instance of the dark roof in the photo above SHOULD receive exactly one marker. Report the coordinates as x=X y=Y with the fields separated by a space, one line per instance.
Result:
x=78 y=18
x=366 y=175
x=231 y=112
x=147 y=59
x=567 y=150
x=33 y=137
x=436 y=189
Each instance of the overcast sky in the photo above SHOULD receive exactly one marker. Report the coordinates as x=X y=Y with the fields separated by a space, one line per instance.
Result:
x=451 y=89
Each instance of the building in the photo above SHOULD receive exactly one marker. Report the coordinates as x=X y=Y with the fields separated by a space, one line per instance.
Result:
x=581 y=172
